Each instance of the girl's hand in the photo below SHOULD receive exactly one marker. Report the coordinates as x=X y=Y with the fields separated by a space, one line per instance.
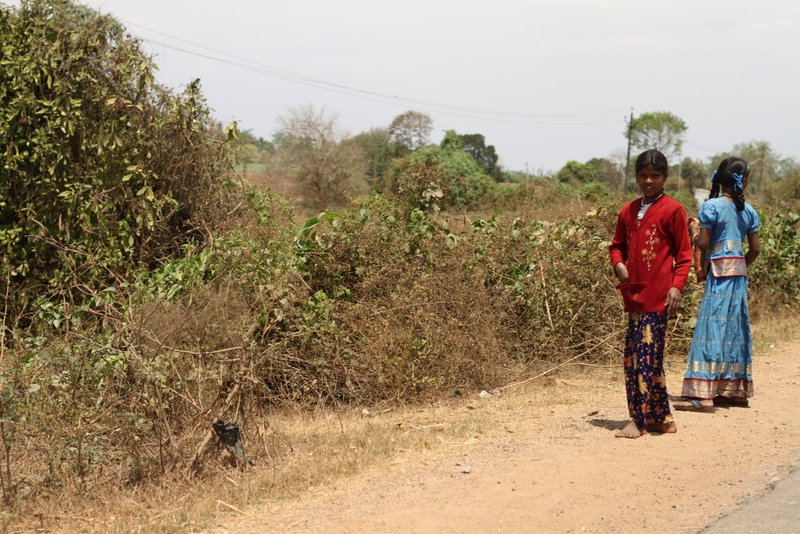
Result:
x=674 y=298
x=621 y=270
x=694 y=226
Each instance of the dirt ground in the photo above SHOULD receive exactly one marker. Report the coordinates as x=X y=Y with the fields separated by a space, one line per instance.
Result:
x=556 y=467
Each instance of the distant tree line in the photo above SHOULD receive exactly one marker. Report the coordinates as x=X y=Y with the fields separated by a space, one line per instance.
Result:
x=774 y=178
x=332 y=167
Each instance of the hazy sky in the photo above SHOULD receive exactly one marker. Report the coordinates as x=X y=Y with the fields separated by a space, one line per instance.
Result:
x=545 y=81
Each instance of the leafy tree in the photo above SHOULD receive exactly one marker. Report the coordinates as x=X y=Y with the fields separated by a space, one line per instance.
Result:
x=247 y=137
x=769 y=171
x=694 y=173
x=251 y=149
x=377 y=148
x=104 y=171
x=660 y=130
x=486 y=156
x=329 y=166
x=606 y=171
x=248 y=154
x=410 y=131
x=576 y=172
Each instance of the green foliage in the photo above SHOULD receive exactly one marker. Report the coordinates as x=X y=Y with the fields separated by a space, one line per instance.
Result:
x=606 y=171
x=410 y=131
x=685 y=197
x=596 y=190
x=378 y=150
x=178 y=275
x=694 y=173
x=463 y=181
x=775 y=272
x=575 y=172
x=104 y=171
x=660 y=130
x=486 y=156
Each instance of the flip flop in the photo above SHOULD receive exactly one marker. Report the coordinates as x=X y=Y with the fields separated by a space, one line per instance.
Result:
x=692 y=405
x=725 y=401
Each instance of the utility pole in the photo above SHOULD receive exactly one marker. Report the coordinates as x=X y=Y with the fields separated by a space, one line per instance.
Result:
x=628 y=158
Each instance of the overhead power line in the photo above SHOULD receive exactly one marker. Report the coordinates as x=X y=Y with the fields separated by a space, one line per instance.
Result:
x=581 y=119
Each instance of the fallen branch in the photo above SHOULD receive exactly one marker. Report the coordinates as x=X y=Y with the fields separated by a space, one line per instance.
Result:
x=562 y=364
x=232 y=507
x=162 y=345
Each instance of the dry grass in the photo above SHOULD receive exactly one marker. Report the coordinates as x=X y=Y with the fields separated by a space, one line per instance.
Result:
x=772 y=328
x=311 y=452
x=308 y=452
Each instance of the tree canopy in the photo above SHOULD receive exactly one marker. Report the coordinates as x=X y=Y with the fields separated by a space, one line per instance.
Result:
x=377 y=148
x=411 y=130
x=576 y=172
x=660 y=130
x=486 y=156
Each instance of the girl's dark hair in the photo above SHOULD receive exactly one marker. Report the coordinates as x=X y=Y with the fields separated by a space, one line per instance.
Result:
x=725 y=179
x=652 y=158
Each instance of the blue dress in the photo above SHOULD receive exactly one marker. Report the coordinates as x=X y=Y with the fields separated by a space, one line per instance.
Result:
x=720 y=360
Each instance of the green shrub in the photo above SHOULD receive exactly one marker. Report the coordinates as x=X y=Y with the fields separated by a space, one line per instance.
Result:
x=774 y=275
x=104 y=170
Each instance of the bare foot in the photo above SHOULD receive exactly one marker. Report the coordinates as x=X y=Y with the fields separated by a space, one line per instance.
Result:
x=631 y=431
x=663 y=428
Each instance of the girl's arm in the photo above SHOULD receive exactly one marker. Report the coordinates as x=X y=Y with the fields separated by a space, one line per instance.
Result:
x=702 y=238
x=754 y=247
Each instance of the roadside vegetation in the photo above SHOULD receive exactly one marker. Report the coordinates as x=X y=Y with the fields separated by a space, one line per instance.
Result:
x=161 y=271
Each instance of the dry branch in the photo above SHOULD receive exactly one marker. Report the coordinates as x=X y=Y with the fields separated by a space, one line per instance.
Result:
x=584 y=353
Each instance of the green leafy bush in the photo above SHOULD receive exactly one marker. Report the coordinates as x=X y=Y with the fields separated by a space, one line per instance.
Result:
x=462 y=180
x=774 y=275
x=104 y=170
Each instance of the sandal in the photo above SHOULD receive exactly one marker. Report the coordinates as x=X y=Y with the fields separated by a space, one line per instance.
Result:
x=727 y=401
x=692 y=405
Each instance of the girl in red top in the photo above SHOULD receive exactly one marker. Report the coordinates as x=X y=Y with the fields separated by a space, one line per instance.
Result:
x=651 y=255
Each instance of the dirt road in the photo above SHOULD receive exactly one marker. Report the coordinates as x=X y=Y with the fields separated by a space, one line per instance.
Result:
x=558 y=468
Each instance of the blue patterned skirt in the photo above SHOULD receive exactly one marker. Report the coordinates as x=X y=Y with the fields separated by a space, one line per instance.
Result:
x=720 y=360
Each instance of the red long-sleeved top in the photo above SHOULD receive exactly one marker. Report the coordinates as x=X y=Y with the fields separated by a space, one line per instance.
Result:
x=656 y=251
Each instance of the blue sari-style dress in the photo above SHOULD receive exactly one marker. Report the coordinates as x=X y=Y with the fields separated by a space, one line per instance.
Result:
x=720 y=360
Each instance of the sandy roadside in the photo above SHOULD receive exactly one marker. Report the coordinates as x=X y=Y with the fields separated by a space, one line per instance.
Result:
x=559 y=469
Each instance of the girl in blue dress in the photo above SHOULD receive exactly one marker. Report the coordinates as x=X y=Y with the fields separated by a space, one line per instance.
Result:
x=720 y=360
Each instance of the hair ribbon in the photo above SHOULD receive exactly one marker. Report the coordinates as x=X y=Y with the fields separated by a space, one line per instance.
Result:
x=714 y=177
x=737 y=178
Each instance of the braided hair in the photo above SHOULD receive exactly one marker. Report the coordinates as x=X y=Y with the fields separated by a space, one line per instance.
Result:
x=729 y=178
